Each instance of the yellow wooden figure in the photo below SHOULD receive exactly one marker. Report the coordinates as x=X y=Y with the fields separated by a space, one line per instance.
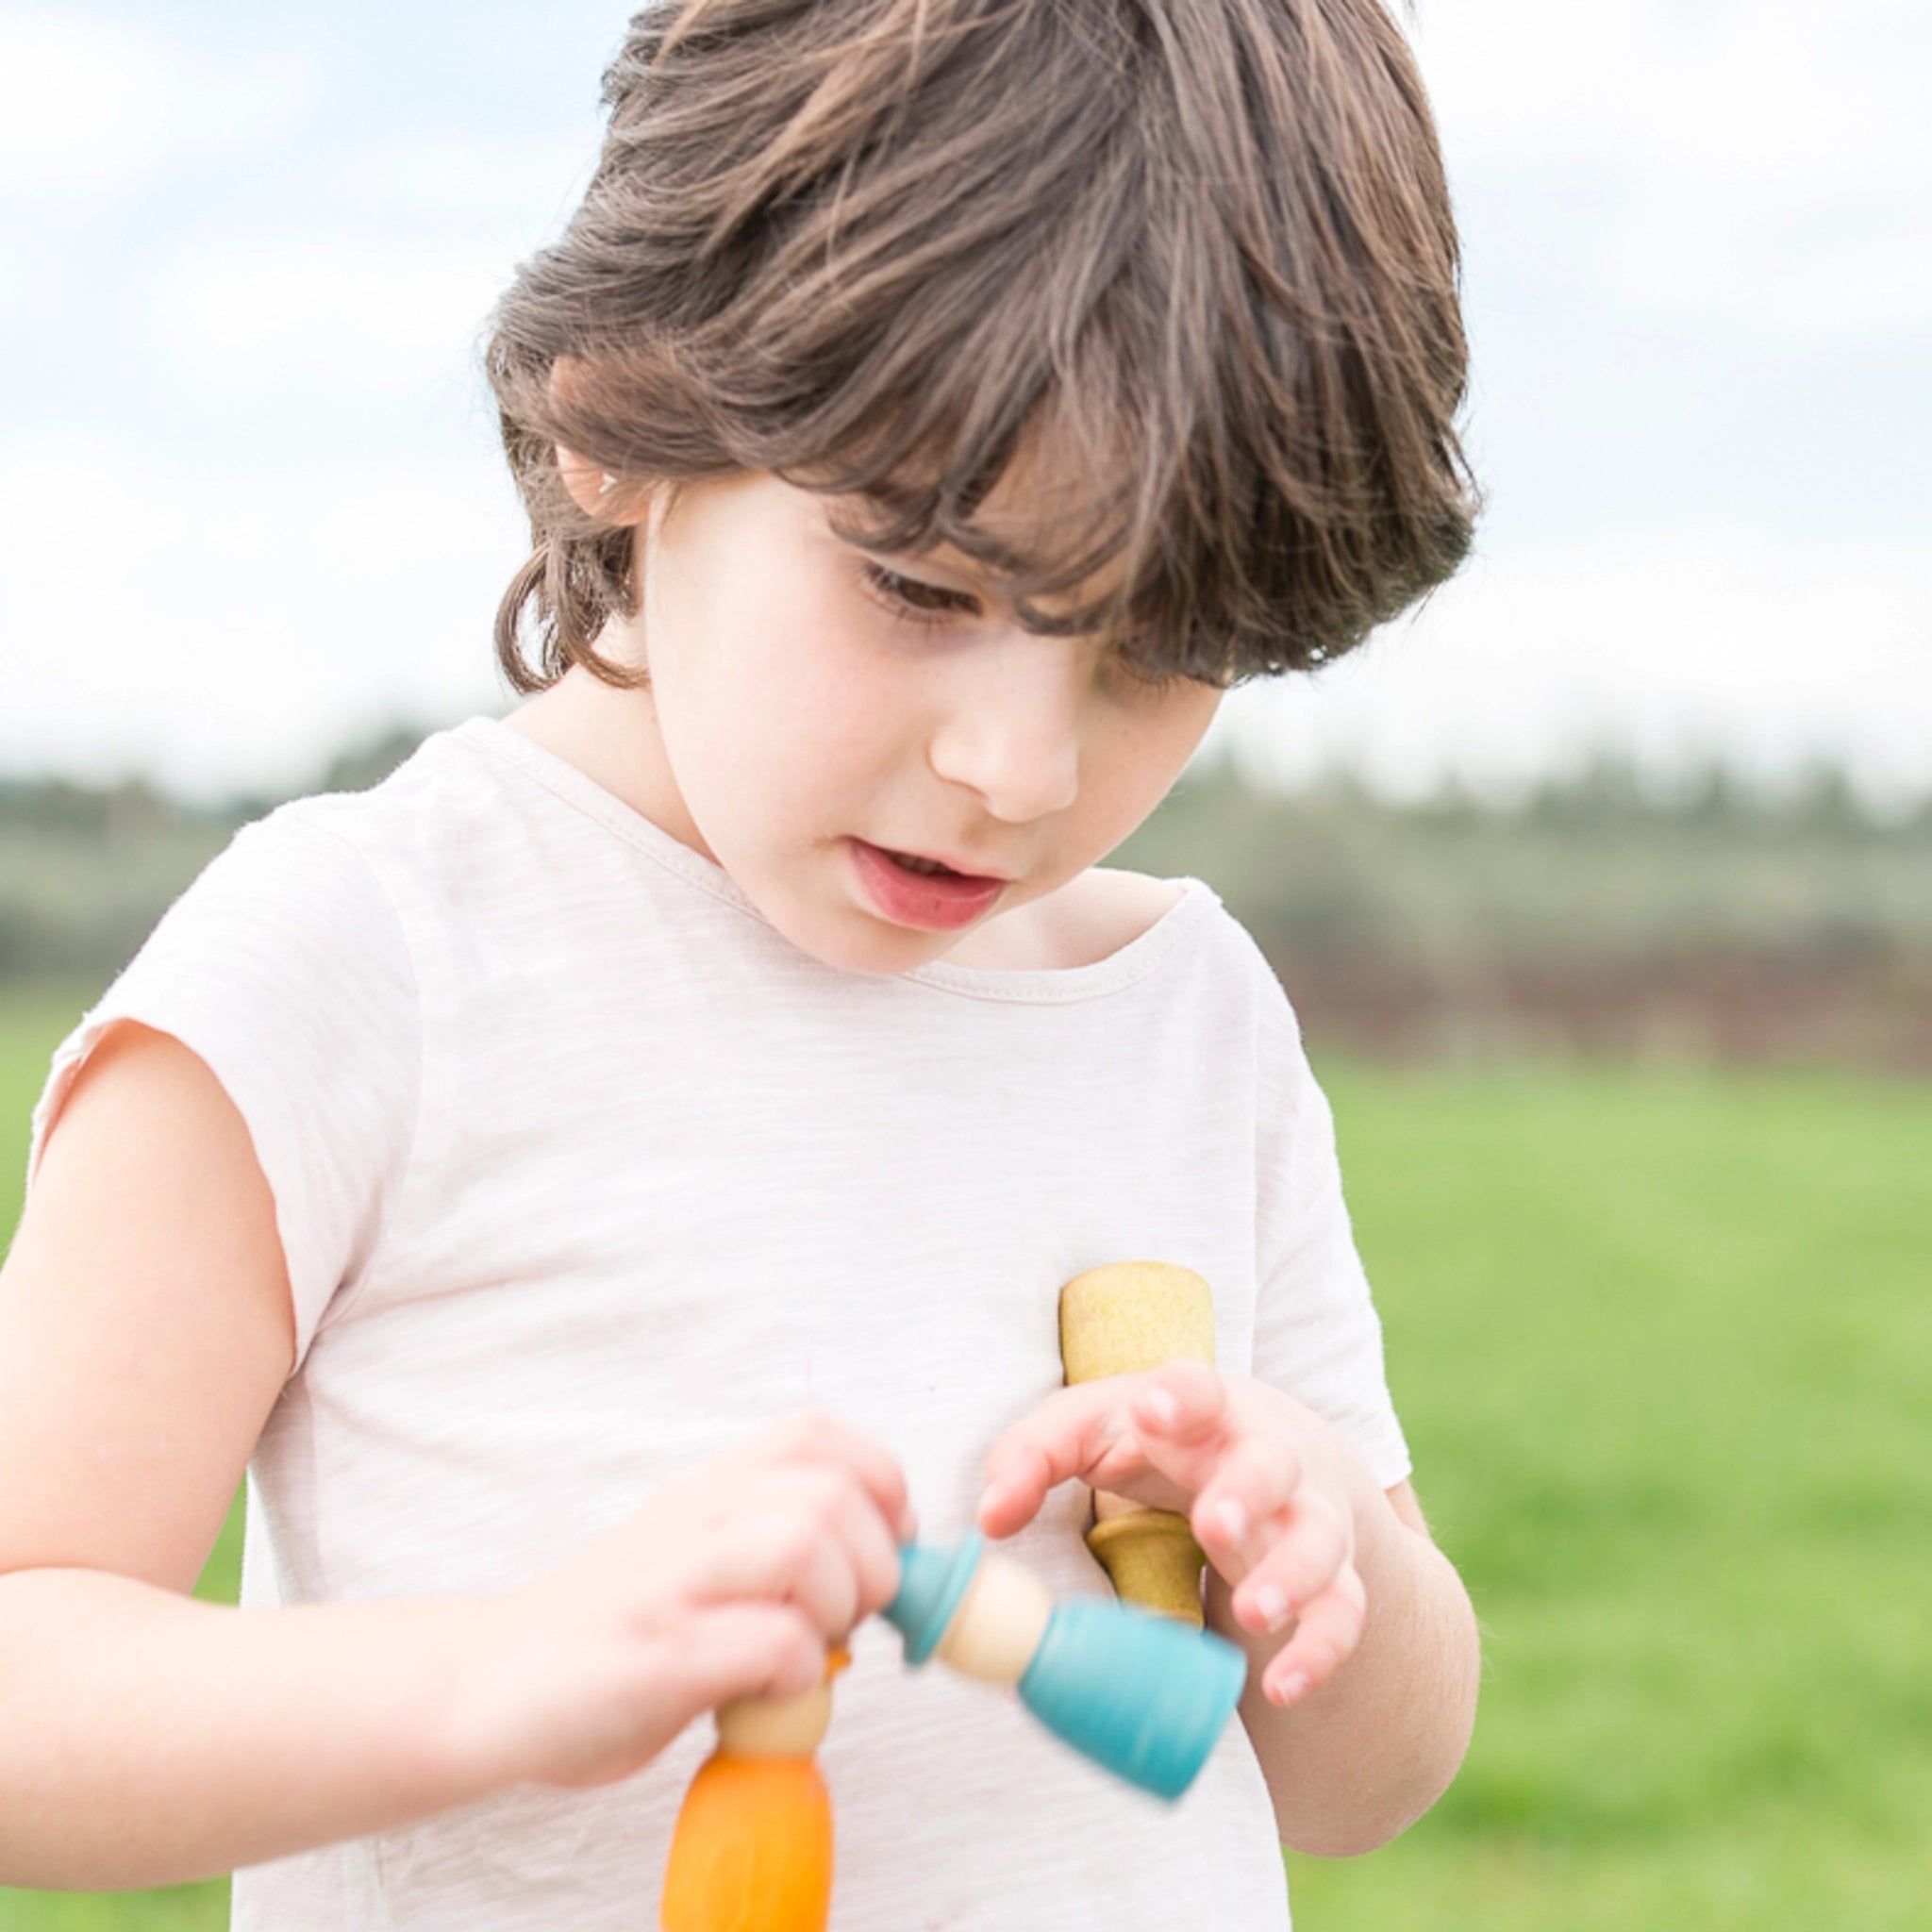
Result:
x=1117 y=1321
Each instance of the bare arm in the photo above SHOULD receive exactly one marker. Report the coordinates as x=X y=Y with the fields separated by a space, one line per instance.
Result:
x=1361 y=1757
x=146 y=1331
x=150 y=1738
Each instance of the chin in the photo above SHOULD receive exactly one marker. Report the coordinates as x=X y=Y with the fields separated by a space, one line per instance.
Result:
x=876 y=947
x=885 y=959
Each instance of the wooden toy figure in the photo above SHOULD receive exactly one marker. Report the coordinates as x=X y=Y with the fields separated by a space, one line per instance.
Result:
x=1117 y=1321
x=1140 y=1694
x=1144 y=1695
x=753 y=1847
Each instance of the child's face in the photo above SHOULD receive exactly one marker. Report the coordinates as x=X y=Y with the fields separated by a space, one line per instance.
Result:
x=814 y=708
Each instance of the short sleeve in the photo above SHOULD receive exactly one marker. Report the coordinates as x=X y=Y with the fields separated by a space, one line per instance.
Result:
x=284 y=967
x=1317 y=1334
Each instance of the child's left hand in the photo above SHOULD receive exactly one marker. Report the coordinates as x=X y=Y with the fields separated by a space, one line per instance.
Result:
x=1263 y=1481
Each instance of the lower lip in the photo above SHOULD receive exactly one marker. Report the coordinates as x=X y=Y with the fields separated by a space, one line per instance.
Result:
x=935 y=902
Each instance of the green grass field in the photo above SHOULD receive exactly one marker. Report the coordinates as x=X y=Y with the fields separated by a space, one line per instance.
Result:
x=1663 y=1345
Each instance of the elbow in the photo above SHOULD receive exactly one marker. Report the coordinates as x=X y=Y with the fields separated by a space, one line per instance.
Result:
x=1348 y=1830
x=1352 y=1832
x=1389 y=1793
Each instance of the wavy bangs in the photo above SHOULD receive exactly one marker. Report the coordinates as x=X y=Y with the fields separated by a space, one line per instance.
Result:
x=1154 y=296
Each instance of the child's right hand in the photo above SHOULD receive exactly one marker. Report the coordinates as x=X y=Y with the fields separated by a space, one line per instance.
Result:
x=730 y=1583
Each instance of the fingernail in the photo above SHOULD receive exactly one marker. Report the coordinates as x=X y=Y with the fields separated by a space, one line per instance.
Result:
x=1167 y=1411
x=1232 y=1520
x=909 y=1525
x=1272 y=1606
x=1293 y=1688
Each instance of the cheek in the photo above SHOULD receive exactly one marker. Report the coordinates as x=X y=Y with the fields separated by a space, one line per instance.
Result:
x=790 y=734
x=828 y=703
x=728 y=681
x=1183 y=726
x=1148 y=751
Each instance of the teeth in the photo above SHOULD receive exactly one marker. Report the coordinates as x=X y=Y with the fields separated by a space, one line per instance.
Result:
x=928 y=866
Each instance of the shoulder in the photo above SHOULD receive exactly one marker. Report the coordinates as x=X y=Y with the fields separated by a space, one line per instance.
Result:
x=285 y=972
x=285 y=952
x=292 y=869
x=447 y=835
x=288 y=932
x=444 y=791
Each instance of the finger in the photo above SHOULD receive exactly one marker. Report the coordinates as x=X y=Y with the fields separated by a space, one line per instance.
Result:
x=1018 y=1476
x=1072 y=1434
x=1243 y=1510
x=825 y=1584
x=1183 y=1401
x=1187 y=1427
x=803 y=1533
x=840 y=1522
x=1326 y=1637
x=873 y=1551
x=1307 y=1548
x=814 y=1436
x=752 y=1650
x=736 y=1650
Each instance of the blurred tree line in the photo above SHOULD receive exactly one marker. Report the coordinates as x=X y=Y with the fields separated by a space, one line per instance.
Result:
x=86 y=871
x=1595 y=916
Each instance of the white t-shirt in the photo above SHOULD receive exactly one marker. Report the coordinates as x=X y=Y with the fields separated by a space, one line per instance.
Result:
x=584 y=1174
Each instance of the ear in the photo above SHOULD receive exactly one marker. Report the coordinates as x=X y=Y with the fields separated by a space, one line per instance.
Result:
x=596 y=491
x=601 y=496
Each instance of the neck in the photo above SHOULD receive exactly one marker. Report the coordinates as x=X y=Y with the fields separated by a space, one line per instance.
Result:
x=611 y=736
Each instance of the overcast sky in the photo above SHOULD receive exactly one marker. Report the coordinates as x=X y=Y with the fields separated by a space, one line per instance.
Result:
x=251 y=503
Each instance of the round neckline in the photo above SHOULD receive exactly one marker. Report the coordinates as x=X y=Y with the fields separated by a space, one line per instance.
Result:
x=1025 y=985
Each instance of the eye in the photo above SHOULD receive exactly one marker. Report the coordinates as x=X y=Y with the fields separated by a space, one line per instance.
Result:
x=912 y=598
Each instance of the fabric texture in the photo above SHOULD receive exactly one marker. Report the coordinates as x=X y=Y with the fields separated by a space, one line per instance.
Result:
x=585 y=1174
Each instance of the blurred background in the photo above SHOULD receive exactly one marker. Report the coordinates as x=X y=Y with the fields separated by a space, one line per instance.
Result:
x=1603 y=884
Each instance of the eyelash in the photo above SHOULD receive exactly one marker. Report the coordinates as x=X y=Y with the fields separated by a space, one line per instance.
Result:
x=901 y=594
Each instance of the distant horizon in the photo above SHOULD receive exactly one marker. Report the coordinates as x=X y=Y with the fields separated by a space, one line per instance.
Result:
x=1665 y=792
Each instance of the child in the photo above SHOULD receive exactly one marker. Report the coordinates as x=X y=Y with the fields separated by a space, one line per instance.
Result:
x=934 y=405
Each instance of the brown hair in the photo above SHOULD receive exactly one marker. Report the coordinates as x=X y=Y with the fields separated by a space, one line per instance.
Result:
x=1200 y=250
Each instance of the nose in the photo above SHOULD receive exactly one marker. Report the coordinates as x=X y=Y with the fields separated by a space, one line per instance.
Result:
x=1010 y=729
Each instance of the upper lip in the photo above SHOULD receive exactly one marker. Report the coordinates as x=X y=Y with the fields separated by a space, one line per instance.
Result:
x=971 y=868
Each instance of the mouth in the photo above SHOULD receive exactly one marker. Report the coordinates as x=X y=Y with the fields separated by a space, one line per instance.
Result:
x=935 y=868
x=913 y=889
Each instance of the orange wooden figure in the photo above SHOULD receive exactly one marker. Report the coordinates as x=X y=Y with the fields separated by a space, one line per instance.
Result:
x=752 y=1848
